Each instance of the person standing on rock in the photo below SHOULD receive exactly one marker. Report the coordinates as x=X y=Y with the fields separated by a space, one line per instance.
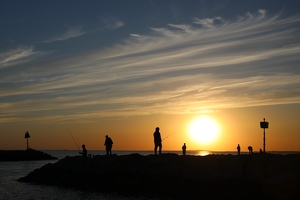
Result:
x=84 y=151
x=84 y=156
x=108 y=145
x=183 y=149
x=238 y=149
x=157 y=141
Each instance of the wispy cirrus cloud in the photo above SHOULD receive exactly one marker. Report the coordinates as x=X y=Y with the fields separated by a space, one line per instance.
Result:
x=77 y=31
x=208 y=22
x=135 y=35
x=112 y=23
x=17 y=56
x=72 y=32
x=208 y=64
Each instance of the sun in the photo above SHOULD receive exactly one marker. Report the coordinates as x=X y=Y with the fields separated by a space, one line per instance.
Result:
x=204 y=130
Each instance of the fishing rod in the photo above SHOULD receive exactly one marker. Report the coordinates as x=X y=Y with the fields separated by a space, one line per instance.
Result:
x=77 y=139
x=169 y=135
x=74 y=140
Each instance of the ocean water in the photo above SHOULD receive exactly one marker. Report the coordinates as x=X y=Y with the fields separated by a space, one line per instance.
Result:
x=11 y=189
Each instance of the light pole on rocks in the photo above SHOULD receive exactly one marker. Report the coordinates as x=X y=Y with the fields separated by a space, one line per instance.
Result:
x=264 y=125
x=27 y=136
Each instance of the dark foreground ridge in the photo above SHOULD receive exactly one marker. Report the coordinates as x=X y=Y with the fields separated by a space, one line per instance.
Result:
x=170 y=176
x=21 y=155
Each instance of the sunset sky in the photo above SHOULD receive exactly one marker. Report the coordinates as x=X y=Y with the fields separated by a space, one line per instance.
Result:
x=122 y=68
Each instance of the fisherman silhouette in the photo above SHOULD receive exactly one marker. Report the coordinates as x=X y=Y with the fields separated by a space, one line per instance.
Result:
x=184 y=149
x=250 y=149
x=84 y=156
x=238 y=149
x=84 y=151
x=108 y=145
x=157 y=141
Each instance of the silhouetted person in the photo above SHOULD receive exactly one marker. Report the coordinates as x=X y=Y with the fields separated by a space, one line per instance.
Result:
x=157 y=141
x=84 y=156
x=84 y=151
x=238 y=149
x=260 y=151
x=108 y=145
x=250 y=149
x=184 y=149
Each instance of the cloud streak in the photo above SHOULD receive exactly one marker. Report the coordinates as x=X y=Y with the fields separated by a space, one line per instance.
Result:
x=112 y=23
x=206 y=65
x=17 y=56
x=72 y=32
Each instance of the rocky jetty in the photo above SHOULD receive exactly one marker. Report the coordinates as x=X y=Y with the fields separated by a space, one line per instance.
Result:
x=21 y=155
x=172 y=176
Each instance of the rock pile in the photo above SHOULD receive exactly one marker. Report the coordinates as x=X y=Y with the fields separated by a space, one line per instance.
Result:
x=170 y=176
x=20 y=155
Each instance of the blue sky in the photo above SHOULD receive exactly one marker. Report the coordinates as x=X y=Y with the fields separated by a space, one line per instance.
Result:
x=63 y=61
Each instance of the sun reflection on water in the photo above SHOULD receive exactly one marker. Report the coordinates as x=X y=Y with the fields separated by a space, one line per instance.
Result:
x=203 y=153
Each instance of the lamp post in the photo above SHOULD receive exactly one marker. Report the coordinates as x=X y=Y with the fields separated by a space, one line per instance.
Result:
x=27 y=136
x=264 y=125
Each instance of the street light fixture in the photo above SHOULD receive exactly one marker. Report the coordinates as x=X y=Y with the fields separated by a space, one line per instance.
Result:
x=264 y=125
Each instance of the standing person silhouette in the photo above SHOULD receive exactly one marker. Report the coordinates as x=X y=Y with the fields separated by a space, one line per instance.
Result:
x=108 y=145
x=84 y=151
x=184 y=149
x=238 y=149
x=157 y=141
x=84 y=156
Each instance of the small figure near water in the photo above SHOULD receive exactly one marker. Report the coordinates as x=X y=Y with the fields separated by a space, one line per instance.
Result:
x=157 y=141
x=108 y=145
x=84 y=156
x=84 y=151
x=238 y=149
x=250 y=150
x=183 y=149
x=260 y=151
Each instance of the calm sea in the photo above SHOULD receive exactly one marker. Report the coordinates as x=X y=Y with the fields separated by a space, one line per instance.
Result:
x=11 y=189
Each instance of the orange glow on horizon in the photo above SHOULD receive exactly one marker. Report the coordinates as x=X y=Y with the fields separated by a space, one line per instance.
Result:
x=237 y=126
